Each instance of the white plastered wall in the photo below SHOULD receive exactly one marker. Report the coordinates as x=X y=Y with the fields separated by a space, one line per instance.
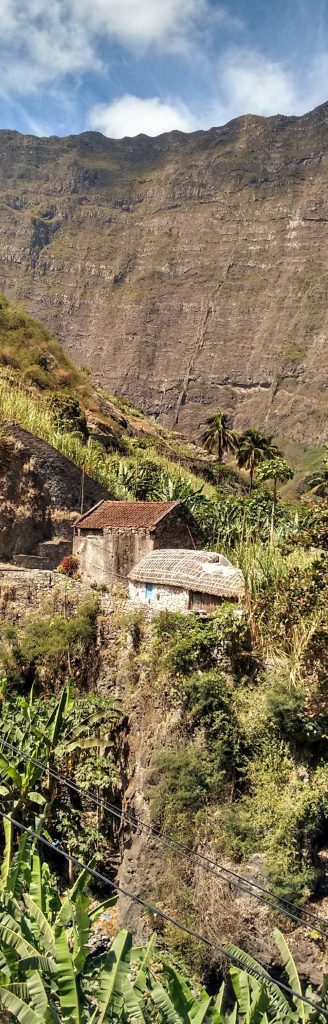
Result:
x=162 y=598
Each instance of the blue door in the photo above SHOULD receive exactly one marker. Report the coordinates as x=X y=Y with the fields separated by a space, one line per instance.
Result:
x=149 y=591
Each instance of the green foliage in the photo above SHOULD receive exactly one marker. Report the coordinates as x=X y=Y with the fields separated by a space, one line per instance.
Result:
x=68 y=415
x=77 y=738
x=233 y=520
x=48 y=646
x=318 y=482
x=254 y=447
x=218 y=435
x=282 y=816
x=205 y=760
x=50 y=973
x=186 y=779
x=26 y=345
x=275 y=469
x=183 y=644
x=244 y=727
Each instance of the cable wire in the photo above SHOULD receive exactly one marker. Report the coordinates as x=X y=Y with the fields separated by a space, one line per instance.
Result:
x=214 y=868
x=261 y=974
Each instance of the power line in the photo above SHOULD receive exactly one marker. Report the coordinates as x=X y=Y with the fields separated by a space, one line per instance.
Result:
x=261 y=974
x=212 y=867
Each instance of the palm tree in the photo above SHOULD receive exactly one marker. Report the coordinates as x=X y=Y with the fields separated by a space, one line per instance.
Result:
x=278 y=471
x=218 y=435
x=318 y=481
x=253 y=449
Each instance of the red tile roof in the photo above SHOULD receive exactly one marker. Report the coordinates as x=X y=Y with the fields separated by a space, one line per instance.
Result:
x=135 y=515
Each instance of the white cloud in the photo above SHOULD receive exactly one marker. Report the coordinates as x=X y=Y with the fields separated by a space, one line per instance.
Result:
x=131 y=115
x=44 y=40
x=144 y=22
x=248 y=82
x=251 y=83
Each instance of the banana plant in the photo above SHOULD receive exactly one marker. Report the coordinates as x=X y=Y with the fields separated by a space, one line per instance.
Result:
x=50 y=975
x=259 y=999
x=21 y=780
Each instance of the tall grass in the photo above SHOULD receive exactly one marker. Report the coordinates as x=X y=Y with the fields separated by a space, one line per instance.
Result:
x=265 y=567
x=113 y=471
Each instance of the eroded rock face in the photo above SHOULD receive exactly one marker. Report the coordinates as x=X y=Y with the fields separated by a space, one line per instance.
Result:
x=189 y=271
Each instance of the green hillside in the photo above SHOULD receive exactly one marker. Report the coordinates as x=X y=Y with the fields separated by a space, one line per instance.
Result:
x=227 y=715
x=28 y=347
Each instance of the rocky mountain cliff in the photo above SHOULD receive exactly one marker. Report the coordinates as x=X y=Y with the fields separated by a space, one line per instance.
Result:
x=189 y=271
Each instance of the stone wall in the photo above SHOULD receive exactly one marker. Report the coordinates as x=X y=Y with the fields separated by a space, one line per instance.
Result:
x=108 y=556
x=24 y=591
x=177 y=530
x=163 y=598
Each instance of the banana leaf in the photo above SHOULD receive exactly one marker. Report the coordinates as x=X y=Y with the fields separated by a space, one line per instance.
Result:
x=18 y=874
x=140 y=981
x=46 y=934
x=38 y=962
x=8 y=831
x=132 y=1002
x=240 y=984
x=178 y=989
x=19 y=1009
x=56 y=719
x=232 y=1017
x=65 y=912
x=259 y=1005
x=198 y=1012
x=88 y=743
x=36 y=887
x=81 y=932
x=37 y=798
x=278 y=1002
x=9 y=770
x=12 y=938
x=163 y=1003
x=32 y=991
x=292 y=973
x=113 y=974
x=66 y=980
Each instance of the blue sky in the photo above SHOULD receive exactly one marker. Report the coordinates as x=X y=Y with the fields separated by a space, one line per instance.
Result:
x=127 y=66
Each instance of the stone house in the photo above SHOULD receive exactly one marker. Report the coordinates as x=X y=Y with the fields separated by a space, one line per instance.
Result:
x=113 y=536
x=182 y=581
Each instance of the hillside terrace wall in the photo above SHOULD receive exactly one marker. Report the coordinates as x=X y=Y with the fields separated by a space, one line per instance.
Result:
x=23 y=591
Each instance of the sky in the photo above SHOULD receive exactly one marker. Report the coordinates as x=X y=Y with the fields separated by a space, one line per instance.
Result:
x=127 y=66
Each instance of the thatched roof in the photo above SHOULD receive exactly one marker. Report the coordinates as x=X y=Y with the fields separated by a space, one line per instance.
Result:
x=205 y=572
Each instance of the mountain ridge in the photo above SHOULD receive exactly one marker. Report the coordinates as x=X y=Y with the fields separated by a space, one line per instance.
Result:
x=188 y=271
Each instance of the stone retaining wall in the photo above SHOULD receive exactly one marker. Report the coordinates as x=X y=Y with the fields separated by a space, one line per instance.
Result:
x=25 y=590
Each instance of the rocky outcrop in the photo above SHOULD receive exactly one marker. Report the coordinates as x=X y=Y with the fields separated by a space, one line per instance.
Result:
x=189 y=271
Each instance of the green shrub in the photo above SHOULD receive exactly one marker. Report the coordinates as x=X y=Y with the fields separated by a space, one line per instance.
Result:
x=68 y=415
x=49 y=646
x=185 y=643
x=283 y=816
x=187 y=778
x=36 y=375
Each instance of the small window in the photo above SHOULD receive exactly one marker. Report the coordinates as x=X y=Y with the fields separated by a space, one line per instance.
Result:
x=149 y=591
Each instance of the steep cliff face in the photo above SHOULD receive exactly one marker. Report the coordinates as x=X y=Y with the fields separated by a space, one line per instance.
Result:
x=189 y=271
